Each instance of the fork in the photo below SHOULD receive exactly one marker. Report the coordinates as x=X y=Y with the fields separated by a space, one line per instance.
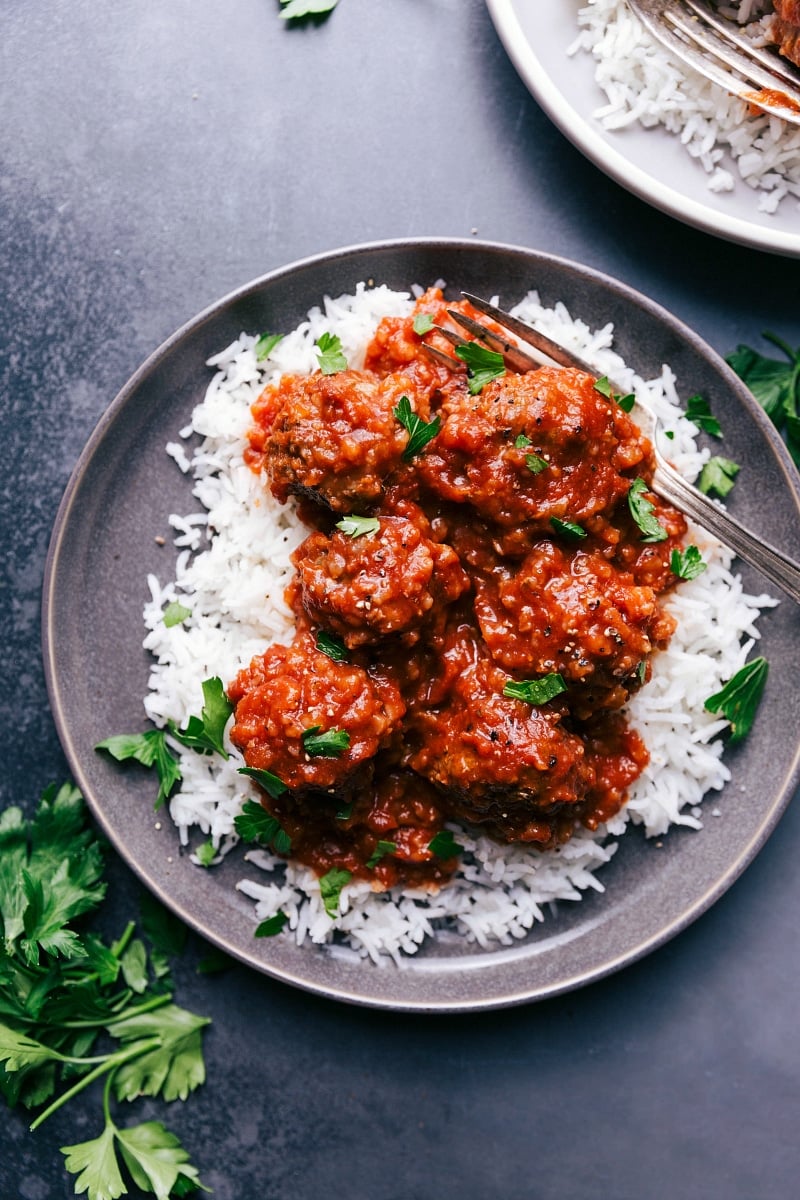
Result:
x=776 y=566
x=717 y=48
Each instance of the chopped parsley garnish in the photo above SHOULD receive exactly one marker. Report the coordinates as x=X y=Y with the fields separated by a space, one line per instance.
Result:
x=61 y=990
x=345 y=812
x=295 y=10
x=380 y=851
x=699 y=413
x=271 y=926
x=266 y=344
x=271 y=784
x=151 y=750
x=205 y=733
x=535 y=691
x=419 y=432
x=535 y=464
x=330 y=889
x=330 y=357
x=331 y=744
x=357 y=526
x=568 y=528
x=333 y=646
x=718 y=476
x=255 y=824
x=444 y=845
x=775 y=385
x=423 y=323
x=688 y=563
x=205 y=853
x=603 y=386
x=740 y=697
x=175 y=614
x=521 y=441
x=483 y=365
x=642 y=513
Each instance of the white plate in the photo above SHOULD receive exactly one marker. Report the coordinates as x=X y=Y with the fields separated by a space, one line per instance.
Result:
x=651 y=163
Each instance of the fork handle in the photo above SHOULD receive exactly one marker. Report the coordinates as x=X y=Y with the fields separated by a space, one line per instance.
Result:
x=778 y=568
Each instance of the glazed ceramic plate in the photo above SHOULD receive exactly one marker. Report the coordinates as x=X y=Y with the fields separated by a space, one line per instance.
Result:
x=105 y=544
x=651 y=163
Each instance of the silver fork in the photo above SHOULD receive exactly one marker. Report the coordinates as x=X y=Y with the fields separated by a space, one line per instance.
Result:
x=781 y=570
x=717 y=48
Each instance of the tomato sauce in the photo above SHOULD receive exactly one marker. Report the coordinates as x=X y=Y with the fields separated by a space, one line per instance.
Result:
x=501 y=552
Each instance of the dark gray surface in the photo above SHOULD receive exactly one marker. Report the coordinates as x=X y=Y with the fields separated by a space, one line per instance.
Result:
x=154 y=157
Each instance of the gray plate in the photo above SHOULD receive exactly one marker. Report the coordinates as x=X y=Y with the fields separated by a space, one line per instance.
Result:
x=103 y=546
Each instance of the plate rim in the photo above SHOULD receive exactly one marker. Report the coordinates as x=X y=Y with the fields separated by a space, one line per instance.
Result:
x=577 y=979
x=629 y=175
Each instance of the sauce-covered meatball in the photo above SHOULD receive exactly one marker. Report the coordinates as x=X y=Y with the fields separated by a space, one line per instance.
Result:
x=384 y=582
x=290 y=697
x=530 y=448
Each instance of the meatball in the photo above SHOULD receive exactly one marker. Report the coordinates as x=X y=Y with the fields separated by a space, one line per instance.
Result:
x=292 y=693
x=573 y=612
x=369 y=587
x=334 y=437
x=532 y=447
x=498 y=761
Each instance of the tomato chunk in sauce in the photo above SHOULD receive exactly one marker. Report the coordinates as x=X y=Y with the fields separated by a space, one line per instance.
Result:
x=501 y=551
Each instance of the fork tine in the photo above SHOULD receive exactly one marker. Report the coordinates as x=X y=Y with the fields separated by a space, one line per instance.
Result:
x=513 y=356
x=685 y=27
x=551 y=351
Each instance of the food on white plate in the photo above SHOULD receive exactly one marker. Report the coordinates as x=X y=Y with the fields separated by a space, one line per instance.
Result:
x=465 y=646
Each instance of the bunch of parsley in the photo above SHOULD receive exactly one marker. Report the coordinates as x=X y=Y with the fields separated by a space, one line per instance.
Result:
x=74 y=1010
x=775 y=383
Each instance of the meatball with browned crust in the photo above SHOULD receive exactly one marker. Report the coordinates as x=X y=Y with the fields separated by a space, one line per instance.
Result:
x=530 y=448
x=498 y=761
x=334 y=437
x=384 y=582
x=573 y=612
x=309 y=720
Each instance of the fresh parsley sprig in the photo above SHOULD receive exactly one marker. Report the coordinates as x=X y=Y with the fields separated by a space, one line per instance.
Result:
x=625 y=402
x=775 y=385
x=419 y=432
x=483 y=365
x=718 y=476
x=739 y=699
x=295 y=10
x=688 y=563
x=535 y=691
x=698 y=411
x=330 y=355
x=62 y=990
x=642 y=512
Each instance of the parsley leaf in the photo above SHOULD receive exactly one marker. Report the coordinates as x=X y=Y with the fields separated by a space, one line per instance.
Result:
x=521 y=441
x=255 y=824
x=740 y=697
x=331 y=744
x=775 y=385
x=271 y=926
x=175 y=614
x=535 y=464
x=423 y=323
x=483 y=365
x=271 y=784
x=333 y=646
x=151 y=750
x=380 y=851
x=155 y=1158
x=330 y=358
x=444 y=845
x=175 y=1067
x=419 y=432
x=568 y=528
x=330 y=889
x=699 y=412
x=536 y=691
x=718 y=476
x=603 y=386
x=205 y=733
x=294 y=10
x=357 y=526
x=205 y=853
x=266 y=344
x=688 y=563
x=642 y=512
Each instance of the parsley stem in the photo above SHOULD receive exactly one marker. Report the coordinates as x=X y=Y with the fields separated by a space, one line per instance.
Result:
x=134 y=1011
x=109 y=1063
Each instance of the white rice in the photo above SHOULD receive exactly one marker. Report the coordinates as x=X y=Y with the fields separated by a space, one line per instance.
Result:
x=232 y=568
x=646 y=85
